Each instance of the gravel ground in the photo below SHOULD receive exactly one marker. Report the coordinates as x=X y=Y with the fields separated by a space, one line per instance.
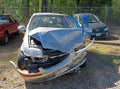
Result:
x=96 y=74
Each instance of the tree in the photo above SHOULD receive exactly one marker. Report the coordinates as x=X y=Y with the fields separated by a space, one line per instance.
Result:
x=116 y=11
x=51 y=5
x=90 y=2
x=26 y=3
x=44 y=6
x=77 y=4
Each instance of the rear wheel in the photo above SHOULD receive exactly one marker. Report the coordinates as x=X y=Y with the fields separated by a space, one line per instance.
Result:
x=17 y=32
x=5 y=39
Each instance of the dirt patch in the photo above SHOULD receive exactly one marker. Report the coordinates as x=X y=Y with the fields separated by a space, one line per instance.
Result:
x=96 y=75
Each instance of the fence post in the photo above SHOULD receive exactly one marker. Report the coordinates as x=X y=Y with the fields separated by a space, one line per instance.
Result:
x=11 y=10
x=76 y=8
x=106 y=9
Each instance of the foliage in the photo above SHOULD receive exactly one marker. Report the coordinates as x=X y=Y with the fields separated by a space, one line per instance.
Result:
x=116 y=11
x=25 y=8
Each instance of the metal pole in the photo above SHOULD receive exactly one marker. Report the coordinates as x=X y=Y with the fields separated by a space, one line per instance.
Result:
x=105 y=13
x=11 y=10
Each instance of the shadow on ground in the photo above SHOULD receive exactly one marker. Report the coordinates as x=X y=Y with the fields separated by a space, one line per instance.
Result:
x=109 y=41
x=109 y=38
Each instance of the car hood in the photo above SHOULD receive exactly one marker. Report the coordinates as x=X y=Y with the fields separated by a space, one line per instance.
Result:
x=57 y=38
x=97 y=25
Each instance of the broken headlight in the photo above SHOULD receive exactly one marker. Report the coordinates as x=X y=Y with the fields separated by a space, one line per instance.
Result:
x=33 y=52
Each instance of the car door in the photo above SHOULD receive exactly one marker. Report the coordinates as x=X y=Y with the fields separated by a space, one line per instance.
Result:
x=13 y=24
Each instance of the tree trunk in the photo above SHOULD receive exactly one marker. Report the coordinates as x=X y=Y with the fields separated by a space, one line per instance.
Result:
x=27 y=8
x=51 y=5
x=44 y=5
x=77 y=4
x=90 y=3
x=36 y=4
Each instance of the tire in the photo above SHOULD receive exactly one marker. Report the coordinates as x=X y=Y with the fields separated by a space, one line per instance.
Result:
x=21 y=61
x=91 y=38
x=5 y=39
x=17 y=33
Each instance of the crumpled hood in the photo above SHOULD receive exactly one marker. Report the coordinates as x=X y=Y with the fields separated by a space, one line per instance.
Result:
x=97 y=25
x=61 y=39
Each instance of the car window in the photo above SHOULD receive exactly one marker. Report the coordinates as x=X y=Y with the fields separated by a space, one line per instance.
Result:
x=11 y=19
x=3 y=19
x=70 y=23
x=80 y=20
x=55 y=21
x=76 y=18
x=92 y=19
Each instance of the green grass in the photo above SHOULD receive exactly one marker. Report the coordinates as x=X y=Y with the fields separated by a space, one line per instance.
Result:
x=106 y=54
x=116 y=61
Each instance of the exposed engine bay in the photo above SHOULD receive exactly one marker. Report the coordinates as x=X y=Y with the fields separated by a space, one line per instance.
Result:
x=45 y=59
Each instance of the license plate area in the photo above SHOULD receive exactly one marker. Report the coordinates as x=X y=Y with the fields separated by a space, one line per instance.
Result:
x=57 y=73
x=98 y=34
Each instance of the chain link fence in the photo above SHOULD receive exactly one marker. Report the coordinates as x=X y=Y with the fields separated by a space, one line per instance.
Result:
x=109 y=15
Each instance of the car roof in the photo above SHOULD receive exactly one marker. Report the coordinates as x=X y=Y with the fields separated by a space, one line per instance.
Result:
x=5 y=14
x=84 y=13
x=49 y=14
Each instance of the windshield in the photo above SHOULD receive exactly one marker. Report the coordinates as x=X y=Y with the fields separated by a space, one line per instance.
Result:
x=55 y=21
x=92 y=19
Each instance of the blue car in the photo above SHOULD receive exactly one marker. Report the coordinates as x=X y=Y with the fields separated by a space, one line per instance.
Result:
x=99 y=29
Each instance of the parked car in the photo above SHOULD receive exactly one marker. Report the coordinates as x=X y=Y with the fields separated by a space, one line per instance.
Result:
x=8 y=27
x=53 y=45
x=99 y=29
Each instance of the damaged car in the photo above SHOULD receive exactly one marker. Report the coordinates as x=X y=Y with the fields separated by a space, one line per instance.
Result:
x=53 y=45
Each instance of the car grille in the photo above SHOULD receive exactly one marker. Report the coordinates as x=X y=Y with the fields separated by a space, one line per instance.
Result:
x=98 y=30
x=55 y=54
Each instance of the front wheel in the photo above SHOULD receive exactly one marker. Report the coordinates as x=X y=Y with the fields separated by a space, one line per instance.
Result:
x=21 y=61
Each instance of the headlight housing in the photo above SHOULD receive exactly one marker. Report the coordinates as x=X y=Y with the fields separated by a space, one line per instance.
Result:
x=106 y=29
x=33 y=52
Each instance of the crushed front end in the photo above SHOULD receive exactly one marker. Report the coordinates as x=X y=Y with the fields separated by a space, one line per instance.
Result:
x=48 y=59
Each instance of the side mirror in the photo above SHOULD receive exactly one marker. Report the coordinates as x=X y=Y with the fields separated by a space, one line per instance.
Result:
x=22 y=28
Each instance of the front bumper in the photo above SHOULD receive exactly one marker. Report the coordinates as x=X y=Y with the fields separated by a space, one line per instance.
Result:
x=72 y=62
x=67 y=65
x=100 y=35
